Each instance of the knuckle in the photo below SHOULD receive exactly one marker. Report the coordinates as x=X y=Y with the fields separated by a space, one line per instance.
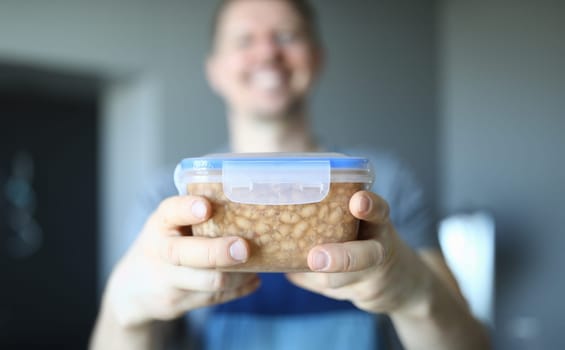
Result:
x=370 y=304
x=218 y=280
x=212 y=253
x=369 y=294
x=331 y=282
x=379 y=254
x=348 y=261
x=170 y=301
x=170 y=252
x=159 y=217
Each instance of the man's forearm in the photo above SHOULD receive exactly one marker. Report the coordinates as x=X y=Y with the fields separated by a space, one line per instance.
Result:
x=439 y=320
x=109 y=334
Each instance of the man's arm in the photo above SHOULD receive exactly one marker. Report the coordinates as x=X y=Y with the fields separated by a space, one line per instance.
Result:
x=380 y=273
x=441 y=319
x=111 y=334
x=166 y=274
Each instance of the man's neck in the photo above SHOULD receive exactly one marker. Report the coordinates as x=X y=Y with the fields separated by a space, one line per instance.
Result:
x=253 y=135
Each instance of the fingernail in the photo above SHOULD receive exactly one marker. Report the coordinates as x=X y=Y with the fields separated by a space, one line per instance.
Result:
x=238 y=251
x=199 y=209
x=364 y=204
x=320 y=261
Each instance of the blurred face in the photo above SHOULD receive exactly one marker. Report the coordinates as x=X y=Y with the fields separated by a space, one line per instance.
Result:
x=264 y=62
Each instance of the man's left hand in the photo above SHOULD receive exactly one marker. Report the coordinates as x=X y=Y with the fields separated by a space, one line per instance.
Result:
x=378 y=272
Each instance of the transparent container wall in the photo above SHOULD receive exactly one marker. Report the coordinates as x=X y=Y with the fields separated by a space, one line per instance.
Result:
x=282 y=205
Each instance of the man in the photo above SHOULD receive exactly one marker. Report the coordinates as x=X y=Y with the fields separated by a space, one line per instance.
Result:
x=265 y=58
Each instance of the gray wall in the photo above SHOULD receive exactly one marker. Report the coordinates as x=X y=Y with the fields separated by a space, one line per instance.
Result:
x=503 y=119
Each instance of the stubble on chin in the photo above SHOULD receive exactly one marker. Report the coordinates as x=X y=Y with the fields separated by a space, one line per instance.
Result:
x=292 y=111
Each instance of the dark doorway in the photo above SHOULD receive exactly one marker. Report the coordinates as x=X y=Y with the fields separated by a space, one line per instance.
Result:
x=48 y=208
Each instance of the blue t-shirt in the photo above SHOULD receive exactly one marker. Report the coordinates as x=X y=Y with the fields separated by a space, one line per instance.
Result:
x=280 y=315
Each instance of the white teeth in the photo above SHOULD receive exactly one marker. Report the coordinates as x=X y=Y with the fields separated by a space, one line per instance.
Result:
x=267 y=80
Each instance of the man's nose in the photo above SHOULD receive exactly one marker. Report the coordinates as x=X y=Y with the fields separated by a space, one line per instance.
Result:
x=268 y=49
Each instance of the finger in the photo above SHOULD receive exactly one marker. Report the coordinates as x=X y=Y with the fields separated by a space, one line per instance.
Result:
x=203 y=252
x=199 y=299
x=202 y=280
x=368 y=206
x=313 y=282
x=321 y=281
x=346 y=257
x=354 y=286
x=178 y=211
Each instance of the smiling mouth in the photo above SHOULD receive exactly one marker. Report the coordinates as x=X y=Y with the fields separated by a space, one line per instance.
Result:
x=267 y=80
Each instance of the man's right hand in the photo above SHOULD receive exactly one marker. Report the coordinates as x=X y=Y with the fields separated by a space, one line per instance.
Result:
x=168 y=272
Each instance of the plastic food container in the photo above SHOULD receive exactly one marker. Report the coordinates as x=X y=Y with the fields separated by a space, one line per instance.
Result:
x=283 y=204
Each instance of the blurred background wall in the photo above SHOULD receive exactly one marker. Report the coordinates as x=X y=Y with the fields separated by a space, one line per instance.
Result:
x=468 y=93
x=502 y=104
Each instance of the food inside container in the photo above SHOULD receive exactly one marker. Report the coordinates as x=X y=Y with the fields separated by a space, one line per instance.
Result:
x=282 y=204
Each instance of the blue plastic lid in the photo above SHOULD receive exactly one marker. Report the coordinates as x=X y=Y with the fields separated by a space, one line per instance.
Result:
x=216 y=161
x=247 y=177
